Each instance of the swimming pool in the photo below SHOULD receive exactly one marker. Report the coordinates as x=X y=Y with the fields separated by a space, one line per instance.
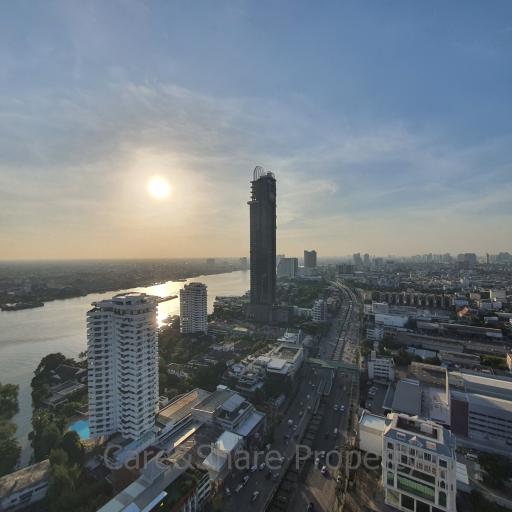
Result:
x=81 y=427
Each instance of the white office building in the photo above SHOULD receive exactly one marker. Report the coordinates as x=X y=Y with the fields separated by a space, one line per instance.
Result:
x=375 y=333
x=419 y=465
x=193 y=309
x=381 y=368
x=122 y=354
x=319 y=311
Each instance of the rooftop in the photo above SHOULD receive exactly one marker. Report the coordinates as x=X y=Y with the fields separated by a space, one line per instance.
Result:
x=372 y=421
x=407 y=397
x=212 y=402
x=182 y=406
x=24 y=478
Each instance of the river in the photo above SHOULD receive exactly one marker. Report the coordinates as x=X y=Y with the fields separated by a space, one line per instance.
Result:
x=26 y=336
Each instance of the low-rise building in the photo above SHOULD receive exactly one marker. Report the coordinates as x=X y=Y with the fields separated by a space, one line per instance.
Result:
x=419 y=465
x=223 y=455
x=285 y=360
x=381 y=368
x=371 y=428
x=292 y=336
x=24 y=487
x=375 y=333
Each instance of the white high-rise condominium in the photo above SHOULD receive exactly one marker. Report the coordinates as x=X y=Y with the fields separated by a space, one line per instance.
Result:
x=193 y=309
x=122 y=354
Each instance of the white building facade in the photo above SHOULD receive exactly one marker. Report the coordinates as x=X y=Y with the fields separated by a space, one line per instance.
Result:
x=122 y=354
x=381 y=367
x=319 y=311
x=193 y=309
x=419 y=471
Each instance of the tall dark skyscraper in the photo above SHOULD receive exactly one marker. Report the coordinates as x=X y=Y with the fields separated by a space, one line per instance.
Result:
x=263 y=238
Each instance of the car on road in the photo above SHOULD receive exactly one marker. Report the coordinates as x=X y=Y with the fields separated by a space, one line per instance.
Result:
x=311 y=507
x=255 y=495
x=245 y=479
x=262 y=466
x=254 y=468
x=238 y=488
x=323 y=470
x=335 y=432
x=228 y=491
x=335 y=407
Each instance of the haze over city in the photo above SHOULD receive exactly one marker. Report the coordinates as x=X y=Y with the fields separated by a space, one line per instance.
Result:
x=388 y=126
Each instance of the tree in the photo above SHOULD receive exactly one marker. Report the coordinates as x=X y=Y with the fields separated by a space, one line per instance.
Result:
x=50 y=362
x=9 y=448
x=8 y=400
x=58 y=457
x=46 y=434
x=73 y=447
x=61 y=487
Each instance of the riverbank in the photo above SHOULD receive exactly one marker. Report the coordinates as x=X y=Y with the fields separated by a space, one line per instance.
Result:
x=29 y=300
x=26 y=336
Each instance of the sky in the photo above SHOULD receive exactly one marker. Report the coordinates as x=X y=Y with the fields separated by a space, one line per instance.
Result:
x=388 y=126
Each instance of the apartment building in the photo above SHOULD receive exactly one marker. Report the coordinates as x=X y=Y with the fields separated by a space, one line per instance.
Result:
x=122 y=354
x=193 y=309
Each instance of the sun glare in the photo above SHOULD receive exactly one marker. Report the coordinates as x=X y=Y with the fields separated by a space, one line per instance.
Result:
x=159 y=188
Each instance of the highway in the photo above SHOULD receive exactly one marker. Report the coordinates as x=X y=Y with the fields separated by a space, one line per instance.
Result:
x=340 y=344
x=264 y=481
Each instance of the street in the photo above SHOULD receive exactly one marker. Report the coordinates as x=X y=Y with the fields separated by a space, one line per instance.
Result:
x=340 y=344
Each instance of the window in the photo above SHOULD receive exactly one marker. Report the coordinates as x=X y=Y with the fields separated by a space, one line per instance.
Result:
x=407 y=502
x=391 y=478
x=443 y=463
x=442 y=498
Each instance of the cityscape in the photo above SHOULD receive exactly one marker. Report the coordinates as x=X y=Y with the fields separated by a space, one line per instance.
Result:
x=222 y=329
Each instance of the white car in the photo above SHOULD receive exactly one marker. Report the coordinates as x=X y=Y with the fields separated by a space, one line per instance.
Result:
x=262 y=466
x=336 y=407
x=323 y=470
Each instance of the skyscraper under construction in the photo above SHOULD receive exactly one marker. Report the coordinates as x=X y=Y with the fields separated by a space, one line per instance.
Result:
x=263 y=237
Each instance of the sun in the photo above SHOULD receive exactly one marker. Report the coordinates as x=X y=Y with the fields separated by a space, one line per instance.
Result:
x=158 y=187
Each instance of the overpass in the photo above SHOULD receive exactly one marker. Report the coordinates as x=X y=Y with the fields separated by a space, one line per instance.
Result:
x=333 y=365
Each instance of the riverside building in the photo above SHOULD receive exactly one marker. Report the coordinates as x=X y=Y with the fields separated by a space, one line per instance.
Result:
x=122 y=355
x=193 y=309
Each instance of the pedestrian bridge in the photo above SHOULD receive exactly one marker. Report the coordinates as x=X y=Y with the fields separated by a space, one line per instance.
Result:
x=335 y=365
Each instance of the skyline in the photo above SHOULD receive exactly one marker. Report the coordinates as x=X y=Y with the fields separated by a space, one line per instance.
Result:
x=388 y=127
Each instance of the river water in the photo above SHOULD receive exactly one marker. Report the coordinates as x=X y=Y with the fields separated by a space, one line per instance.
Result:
x=28 y=335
